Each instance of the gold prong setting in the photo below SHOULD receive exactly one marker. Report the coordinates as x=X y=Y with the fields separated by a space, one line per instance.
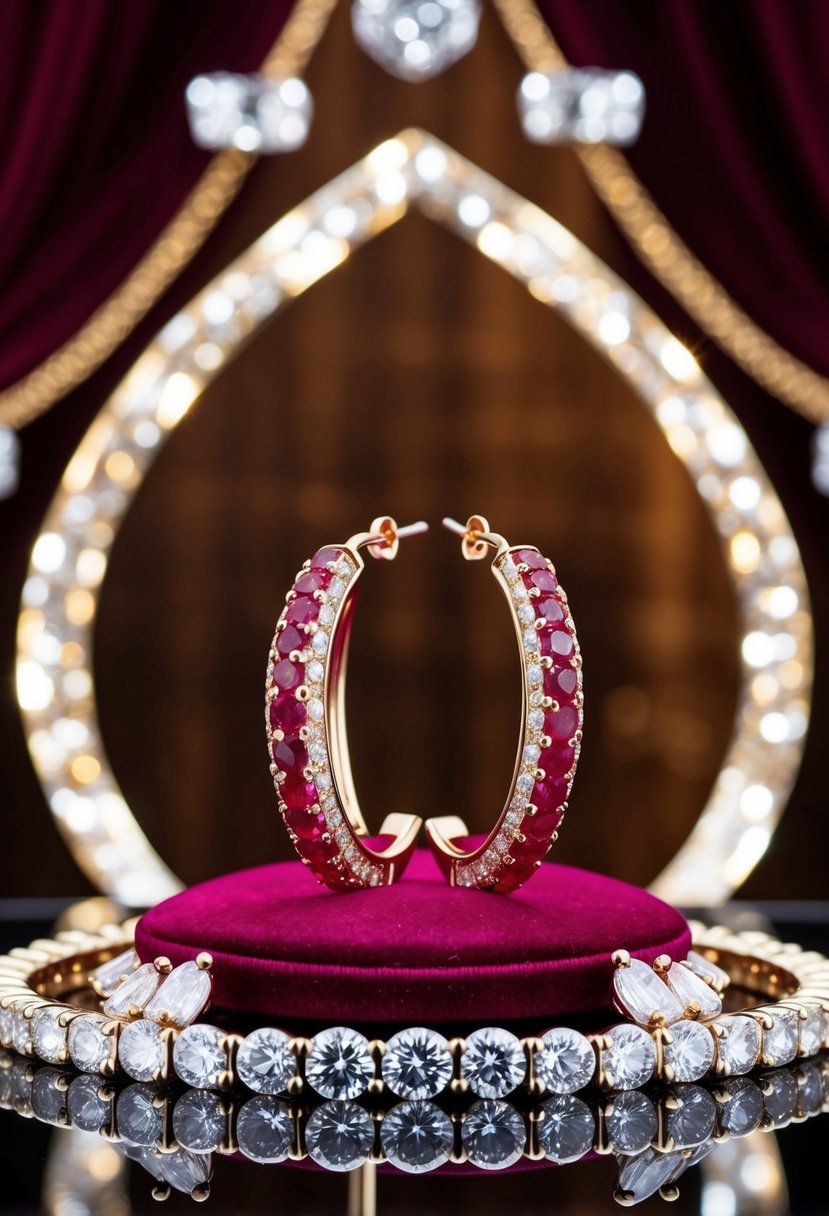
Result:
x=546 y=763
x=660 y=1129
x=303 y=670
x=625 y=1055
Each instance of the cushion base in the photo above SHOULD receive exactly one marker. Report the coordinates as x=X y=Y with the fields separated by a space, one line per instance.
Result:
x=418 y=951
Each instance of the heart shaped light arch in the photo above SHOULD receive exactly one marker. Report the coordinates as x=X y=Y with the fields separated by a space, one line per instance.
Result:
x=69 y=559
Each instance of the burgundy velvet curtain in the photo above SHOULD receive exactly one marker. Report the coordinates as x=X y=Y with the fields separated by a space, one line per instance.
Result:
x=735 y=146
x=95 y=155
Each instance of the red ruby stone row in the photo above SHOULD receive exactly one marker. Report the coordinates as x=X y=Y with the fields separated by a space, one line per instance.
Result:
x=561 y=682
x=313 y=840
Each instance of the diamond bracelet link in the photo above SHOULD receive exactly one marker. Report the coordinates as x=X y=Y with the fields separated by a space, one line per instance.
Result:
x=675 y=1032
x=654 y=1132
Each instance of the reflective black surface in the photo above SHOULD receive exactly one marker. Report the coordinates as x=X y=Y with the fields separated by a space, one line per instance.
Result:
x=131 y=1144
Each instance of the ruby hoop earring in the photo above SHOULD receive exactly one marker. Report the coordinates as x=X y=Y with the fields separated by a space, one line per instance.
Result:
x=305 y=720
x=551 y=722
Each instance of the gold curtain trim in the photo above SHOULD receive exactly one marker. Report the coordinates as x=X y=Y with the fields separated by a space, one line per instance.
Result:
x=665 y=253
x=179 y=242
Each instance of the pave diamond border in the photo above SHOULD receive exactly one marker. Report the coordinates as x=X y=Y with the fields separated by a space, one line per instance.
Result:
x=316 y=818
x=537 y=800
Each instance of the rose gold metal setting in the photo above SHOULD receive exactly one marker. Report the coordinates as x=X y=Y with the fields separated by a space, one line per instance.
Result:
x=308 y=746
x=545 y=764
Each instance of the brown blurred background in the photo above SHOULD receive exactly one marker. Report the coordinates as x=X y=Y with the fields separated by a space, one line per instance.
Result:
x=417 y=380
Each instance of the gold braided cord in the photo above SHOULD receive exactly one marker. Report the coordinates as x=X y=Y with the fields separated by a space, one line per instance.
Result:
x=178 y=243
x=116 y=318
x=665 y=253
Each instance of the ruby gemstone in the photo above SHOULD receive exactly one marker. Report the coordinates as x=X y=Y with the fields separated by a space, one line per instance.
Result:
x=533 y=848
x=531 y=558
x=558 y=643
x=558 y=760
x=302 y=610
x=514 y=876
x=288 y=715
x=319 y=853
x=544 y=580
x=561 y=724
x=333 y=876
x=550 y=610
x=296 y=792
x=290 y=755
x=287 y=675
x=541 y=825
x=561 y=683
x=304 y=825
x=321 y=559
x=290 y=639
x=547 y=796
x=311 y=581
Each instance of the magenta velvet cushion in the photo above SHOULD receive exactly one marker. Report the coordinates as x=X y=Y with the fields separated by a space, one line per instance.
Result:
x=416 y=951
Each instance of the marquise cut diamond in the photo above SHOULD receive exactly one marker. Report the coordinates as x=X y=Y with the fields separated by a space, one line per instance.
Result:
x=690 y=991
x=642 y=996
x=136 y=990
x=183 y=1170
x=184 y=994
x=707 y=970
x=106 y=978
x=643 y=1175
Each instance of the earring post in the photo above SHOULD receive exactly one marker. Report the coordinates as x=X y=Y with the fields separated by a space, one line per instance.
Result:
x=475 y=534
x=416 y=529
x=385 y=535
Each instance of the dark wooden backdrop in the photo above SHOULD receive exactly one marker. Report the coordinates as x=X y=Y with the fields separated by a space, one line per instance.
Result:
x=418 y=380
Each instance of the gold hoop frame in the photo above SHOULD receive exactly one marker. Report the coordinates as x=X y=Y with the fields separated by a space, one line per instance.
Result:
x=414 y=170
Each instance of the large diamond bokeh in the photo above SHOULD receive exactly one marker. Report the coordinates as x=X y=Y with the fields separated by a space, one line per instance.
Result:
x=416 y=39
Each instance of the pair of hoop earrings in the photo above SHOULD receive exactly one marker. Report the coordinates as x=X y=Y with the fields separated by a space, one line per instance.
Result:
x=305 y=722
